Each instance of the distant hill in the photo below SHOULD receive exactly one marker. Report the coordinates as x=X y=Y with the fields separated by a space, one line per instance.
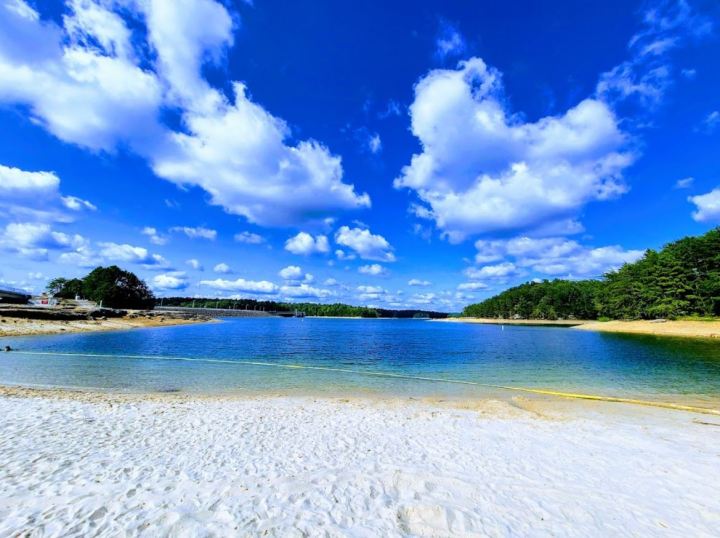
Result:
x=682 y=279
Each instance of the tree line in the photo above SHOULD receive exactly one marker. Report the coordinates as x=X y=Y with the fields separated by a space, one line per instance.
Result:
x=310 y=309
x=681 y=279
x=116 y=288
x=110 y=287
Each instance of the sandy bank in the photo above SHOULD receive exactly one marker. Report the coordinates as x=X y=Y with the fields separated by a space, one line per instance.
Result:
x=694 y=329
x=101 y=465
x=534 y=322
x=23 y=327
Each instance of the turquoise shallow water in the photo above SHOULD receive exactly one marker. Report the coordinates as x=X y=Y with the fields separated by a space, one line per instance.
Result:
x=215 y=357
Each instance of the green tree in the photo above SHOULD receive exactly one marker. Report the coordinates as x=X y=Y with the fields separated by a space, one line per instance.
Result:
x=116 y=288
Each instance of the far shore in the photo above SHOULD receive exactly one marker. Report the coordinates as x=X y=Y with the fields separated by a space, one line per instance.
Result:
x=679 y=328
x=496 y=321
x=10 y=326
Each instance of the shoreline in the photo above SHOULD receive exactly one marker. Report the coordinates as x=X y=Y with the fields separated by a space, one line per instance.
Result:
x=10 y=326
x=107 y=465
x=525 y=322
x=680 y=328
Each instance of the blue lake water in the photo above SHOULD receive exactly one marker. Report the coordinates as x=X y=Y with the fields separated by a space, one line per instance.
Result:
x=214 y=358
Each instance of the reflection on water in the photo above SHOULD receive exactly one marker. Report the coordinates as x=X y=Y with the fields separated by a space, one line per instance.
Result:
x=540 y=357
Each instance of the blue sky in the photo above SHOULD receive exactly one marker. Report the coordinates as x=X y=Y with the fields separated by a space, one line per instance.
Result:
x=404 y=155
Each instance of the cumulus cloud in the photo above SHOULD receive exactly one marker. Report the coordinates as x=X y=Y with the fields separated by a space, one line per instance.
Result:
x=305 y=244
x=36 y=195
x=195 y=264
x=500 y=270
x=195 y=233
x=371 y=293
x=125 y=253
x=418 y=282
x=551 y=256
x=154 y=236
x=707 y=206
x=222 y=268
x=291 y=272
x=304 y=291
x=242 y=285
x=175 y=280
x=249 y=238
x=472 y=286
x=35 y=240
x=367 y=245
x=105 y=76
x=484 y=170
x=374 y=269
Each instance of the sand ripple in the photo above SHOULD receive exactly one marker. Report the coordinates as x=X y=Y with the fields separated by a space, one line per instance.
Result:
x=304 y=467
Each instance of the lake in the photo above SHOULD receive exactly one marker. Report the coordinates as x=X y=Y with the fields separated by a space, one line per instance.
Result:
x=367 y=357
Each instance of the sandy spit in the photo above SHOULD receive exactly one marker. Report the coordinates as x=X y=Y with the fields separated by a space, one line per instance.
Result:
x=104 y=465
x=694 y=329
x=495 y=321
x=25 y=327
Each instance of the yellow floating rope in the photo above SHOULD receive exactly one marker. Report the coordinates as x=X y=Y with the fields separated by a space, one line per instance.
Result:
x=547 y=392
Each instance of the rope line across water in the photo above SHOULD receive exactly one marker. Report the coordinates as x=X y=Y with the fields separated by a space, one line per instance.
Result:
x=573 y=395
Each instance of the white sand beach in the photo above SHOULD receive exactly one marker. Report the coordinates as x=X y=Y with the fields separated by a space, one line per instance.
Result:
x=100 y=465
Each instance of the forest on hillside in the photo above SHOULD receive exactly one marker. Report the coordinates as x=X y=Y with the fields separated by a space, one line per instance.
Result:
x=681 y=279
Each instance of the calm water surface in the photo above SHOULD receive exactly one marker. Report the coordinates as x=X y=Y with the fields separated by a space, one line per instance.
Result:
x=535 y=357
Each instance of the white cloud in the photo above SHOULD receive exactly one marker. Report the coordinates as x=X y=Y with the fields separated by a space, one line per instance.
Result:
x=195 y=233
x=77 y=204
x=330 y=282
x=305 y=244
x=154 y=236
x=483 y=170
x=710 y=122
x=344 y=256
x=375 y=144
x=249 y=238
x=222 y=268
x=35 y=240
x=418 y=282
x=36 y=194
x=90 y=82
x=423 y=298
x=550 y=256
x=371 y=293
x=303 y=291
x=472 y=286
x=684 y=183
x=175 y=280
x=195 y=264
x=647 y=75
x=367 y=245
x=374 y=269
x=242 y=285
x=500 y=270
x=78 y=81
x=449 y=41
x=708 y=206
x=291 y=272
x=119 y=253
